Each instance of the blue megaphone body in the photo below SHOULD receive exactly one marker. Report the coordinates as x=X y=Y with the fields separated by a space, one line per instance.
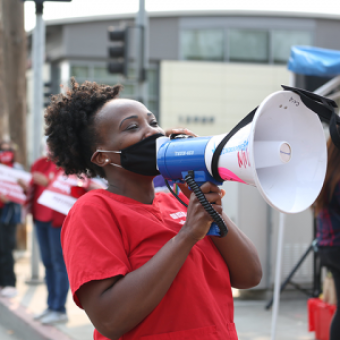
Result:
x=178 y=157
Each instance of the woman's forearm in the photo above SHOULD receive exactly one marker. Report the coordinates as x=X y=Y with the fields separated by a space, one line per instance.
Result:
x=240 y=255
x=125 y=303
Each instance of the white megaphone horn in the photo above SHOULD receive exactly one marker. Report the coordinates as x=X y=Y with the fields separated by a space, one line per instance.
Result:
x=282 y=152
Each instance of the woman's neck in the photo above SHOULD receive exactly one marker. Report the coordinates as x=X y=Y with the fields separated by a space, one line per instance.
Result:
x=138 y=187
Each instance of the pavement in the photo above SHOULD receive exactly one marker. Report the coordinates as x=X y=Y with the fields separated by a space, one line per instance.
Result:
x=16 y=314
x=7 y=334
x=253 y=322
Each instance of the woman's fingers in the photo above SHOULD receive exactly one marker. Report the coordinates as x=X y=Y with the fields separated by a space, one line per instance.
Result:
x=209 y=187
x=222 y=193
x=218 y=208
x=213 y=198
x=184 y=131
x=212 y=192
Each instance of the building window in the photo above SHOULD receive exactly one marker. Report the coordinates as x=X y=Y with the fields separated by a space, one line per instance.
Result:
x=100 y=75
x=247 y=45
x=282 y=41
x=241 y=44
x=80 y=72
x=202 y=44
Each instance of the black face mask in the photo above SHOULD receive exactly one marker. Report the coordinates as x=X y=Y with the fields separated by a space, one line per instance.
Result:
x=139 y=158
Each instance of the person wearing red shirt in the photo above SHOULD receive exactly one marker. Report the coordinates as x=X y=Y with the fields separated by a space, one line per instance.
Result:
x=10 y=216
x=139 y=263
x=47 y=224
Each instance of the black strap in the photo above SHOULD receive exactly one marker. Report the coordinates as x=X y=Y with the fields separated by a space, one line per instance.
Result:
x=214 y=162
x=322 y=106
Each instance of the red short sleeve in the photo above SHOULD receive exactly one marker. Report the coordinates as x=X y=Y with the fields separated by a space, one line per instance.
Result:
x=92 y=245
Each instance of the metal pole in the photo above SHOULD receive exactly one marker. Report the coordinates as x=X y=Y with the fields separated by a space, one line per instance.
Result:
x=142 y=56
x=269 y=242
x=38 y=88
x=277 y=276
x=35 y=259
x=38 y=63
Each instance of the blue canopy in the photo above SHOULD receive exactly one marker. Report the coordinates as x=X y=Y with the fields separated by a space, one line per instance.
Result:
x=313 y=61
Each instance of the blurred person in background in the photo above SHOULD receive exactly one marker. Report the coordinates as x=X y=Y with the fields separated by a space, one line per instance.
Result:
x=327 y=212
x=47 y=223
x=9 y=218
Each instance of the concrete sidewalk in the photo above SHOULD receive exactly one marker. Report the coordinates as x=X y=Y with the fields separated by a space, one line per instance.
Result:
x=18 y=312
x=253 y=322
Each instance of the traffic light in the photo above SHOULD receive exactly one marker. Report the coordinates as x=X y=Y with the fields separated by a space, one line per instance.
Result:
x=119 y=51
x=47 y=93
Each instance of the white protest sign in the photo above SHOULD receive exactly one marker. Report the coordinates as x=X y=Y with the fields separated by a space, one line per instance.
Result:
x=59 y=195
x=55 y=201
x=12 y=175
x=9 y=186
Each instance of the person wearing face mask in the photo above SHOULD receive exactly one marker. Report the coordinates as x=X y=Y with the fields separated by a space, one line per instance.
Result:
x=140 y=263
x=47 y=224
x=9 y=218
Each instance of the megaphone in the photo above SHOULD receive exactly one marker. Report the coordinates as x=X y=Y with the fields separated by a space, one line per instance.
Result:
x=281 y=151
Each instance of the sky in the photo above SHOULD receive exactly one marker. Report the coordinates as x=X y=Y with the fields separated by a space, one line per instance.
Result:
x=82 y=8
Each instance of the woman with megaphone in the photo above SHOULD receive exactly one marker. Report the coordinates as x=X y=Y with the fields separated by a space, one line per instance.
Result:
x=139 y=262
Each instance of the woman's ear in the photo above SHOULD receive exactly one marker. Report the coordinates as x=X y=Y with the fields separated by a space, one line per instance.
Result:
x=100 y=159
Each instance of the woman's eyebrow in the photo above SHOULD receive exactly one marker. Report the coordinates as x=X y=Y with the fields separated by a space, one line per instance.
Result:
x=131 y=117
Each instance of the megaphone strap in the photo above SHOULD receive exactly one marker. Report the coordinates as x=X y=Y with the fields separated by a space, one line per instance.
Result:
x=334 y=130
x=315 y=97
x=323 y=107
x=214 y=163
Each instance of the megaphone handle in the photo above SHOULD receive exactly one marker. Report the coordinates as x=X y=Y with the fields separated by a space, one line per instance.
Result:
x=218 y=228
x=214 y=230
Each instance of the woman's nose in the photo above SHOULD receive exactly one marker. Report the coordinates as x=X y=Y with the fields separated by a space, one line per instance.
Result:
x=151 y=131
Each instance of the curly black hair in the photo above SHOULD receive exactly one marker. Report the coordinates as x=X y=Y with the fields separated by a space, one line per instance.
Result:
x=72 y=138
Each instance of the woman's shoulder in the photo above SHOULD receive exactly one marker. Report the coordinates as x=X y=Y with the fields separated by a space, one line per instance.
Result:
x=94 y=207
x=93 y=198
x=103 y=199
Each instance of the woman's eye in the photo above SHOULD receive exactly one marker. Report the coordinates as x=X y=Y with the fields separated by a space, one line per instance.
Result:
x=154 y=123
x=131 y=127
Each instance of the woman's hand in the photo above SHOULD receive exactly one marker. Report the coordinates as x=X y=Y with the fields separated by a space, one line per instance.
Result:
x=187 y=192
x=182 y=131
x=3 y=199
x=24 y=185
x=40 y=179
x=198 y=220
